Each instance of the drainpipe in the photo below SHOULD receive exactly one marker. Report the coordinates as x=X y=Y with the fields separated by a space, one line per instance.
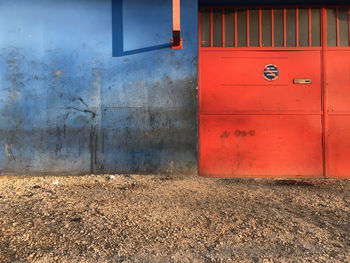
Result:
x=176 y=41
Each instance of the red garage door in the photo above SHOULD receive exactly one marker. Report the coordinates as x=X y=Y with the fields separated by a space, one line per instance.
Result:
x=274 y=92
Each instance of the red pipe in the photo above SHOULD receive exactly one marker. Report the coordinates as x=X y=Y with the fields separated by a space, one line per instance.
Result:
x=176 y=42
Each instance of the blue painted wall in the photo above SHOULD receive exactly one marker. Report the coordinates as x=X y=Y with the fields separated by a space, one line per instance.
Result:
x=79 y=92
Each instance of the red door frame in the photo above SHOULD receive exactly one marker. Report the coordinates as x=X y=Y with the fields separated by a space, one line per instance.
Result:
x=324 y=48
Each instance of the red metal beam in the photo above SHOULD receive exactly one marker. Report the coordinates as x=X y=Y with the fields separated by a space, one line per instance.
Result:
x=297 y=26
x=176 y=42
x=223 y=27
x=260 y=26
x=337 y=19
x=310 y=24
x=211 y=27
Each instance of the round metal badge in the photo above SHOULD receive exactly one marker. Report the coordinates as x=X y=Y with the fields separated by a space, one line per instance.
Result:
x=271 y=72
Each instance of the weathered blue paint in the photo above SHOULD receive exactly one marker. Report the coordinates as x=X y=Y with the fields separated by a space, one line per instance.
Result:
x=68 y=105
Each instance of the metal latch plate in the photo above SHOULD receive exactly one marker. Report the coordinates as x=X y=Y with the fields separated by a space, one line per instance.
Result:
x=302 y=81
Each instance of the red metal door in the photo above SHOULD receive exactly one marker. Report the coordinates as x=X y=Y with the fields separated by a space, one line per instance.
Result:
x=337 y=92
x=261 y=93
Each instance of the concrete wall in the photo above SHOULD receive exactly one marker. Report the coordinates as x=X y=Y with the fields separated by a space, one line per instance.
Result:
x=85 y=89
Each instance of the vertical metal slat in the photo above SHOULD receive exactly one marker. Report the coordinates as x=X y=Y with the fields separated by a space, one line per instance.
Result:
x=272 y=28
x=223 y=27
x=235 y=13
x=337 y=19
x=284 y=27
x=260 y=36
x=248 y=44
x=349 y=25
x=211 y=27
x=297 y=27
x=310 y=37
x=200 y=27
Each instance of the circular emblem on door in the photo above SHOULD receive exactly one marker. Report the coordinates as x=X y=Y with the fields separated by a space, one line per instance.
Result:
x=271 y=72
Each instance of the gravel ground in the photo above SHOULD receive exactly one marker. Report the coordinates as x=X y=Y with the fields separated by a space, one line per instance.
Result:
x=173 y=219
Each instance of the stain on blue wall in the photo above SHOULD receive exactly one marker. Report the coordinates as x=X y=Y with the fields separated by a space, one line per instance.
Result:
x=68 y=105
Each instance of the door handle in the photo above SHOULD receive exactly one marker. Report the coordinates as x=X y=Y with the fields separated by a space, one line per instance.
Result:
x=302 y=81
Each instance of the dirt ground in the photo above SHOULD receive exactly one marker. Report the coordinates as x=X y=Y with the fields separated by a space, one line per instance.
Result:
x=173 y=219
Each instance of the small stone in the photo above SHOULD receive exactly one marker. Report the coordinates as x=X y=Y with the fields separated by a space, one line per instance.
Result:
x=111 y=177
